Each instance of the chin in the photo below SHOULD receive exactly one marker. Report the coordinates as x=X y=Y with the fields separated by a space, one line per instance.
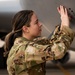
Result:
x=39 y=34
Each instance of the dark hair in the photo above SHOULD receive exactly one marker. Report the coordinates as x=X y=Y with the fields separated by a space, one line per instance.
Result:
x=19 y=20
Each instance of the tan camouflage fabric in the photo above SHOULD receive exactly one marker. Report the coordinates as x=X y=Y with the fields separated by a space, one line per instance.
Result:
x=29 y=57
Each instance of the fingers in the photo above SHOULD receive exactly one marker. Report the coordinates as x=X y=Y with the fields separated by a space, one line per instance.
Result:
x=66 y=12
x=62 y=10
x=63 y=16
x=58 y=9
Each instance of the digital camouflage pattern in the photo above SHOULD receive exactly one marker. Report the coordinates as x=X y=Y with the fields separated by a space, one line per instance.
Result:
x=29 y=57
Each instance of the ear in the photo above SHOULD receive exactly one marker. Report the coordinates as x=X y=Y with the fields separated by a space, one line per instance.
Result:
x=25 y=29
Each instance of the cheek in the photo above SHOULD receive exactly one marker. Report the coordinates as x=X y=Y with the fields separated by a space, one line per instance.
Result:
x=35 y=31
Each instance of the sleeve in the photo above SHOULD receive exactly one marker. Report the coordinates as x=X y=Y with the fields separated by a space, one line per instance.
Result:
x=42 y=49
x=54 y=48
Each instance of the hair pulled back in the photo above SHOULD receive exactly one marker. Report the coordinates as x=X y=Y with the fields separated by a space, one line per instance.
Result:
x=19 y=20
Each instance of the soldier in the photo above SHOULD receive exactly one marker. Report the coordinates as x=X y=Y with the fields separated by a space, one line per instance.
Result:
x=28 y=52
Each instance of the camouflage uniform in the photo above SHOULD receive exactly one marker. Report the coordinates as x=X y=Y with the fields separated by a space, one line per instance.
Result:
x=29 y=57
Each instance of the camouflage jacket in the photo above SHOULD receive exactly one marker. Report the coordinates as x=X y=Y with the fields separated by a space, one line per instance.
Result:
x=29 y=57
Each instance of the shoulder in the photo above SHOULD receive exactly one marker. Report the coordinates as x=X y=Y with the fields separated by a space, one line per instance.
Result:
x=41 y=40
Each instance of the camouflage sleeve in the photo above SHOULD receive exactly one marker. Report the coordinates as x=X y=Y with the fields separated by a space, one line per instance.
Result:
x=61 y=41
x=41 y=49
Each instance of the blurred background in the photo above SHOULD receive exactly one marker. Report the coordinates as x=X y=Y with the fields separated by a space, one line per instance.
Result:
x=48 y=15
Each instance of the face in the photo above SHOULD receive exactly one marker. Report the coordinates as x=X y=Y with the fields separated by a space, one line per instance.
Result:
x=35 y=26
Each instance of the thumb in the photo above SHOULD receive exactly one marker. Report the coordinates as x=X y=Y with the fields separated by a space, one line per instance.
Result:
x=58 y=8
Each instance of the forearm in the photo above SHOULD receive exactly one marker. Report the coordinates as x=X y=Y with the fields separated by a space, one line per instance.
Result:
x=61 y=41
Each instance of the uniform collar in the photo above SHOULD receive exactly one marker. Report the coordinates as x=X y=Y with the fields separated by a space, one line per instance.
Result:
x=20 y=40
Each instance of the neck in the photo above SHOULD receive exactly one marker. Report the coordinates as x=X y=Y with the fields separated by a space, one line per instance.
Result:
x=28 y=36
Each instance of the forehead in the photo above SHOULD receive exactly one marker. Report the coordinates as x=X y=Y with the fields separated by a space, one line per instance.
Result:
x=34 y=17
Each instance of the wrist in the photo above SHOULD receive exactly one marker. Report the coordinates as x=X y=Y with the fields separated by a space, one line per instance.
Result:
x=62 y=26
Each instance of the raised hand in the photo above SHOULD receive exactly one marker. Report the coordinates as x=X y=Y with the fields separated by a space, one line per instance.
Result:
x=64 y=16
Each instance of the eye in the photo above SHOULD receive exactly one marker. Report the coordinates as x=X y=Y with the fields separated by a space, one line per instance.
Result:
x=36 y=22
